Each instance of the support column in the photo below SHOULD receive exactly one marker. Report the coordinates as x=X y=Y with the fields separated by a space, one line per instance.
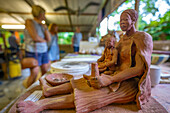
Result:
x=137 y=3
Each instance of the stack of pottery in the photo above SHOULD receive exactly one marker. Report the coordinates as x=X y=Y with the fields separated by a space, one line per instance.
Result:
x=73 y=68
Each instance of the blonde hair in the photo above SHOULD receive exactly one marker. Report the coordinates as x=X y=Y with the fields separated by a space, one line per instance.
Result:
x=36 y=10
x=52 y=26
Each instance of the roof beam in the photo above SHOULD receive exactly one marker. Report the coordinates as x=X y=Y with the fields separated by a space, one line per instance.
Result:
x=75 y=25
x=69 y=15
x=60 y=25
x=50 y=13
x=115 y=6
x=29 y=2
x=67 y=30
x=137 y=9
x=6 y=12
x=103 y=4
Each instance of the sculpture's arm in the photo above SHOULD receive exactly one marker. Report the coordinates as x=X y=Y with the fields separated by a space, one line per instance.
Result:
x=105 y=80
x=131 y=72
x=114 y=59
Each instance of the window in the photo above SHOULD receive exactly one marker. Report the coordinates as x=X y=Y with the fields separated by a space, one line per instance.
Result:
x=65 y=37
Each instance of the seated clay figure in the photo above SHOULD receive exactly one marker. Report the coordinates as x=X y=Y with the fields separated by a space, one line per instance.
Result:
x=107 y=62
x=134 y=59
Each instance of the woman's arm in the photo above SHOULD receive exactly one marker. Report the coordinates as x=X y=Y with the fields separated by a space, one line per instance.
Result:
x=32 y=31
x=46 y=33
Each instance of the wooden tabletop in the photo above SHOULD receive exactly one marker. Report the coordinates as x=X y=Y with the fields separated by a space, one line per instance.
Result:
x=159 y=103
x=161 y=93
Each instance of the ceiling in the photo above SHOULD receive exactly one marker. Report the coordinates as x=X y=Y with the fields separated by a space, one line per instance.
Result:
x=17 y=11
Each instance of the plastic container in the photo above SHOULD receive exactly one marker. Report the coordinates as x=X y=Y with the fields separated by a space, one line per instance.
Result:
x=14 y=69
x=155 y=74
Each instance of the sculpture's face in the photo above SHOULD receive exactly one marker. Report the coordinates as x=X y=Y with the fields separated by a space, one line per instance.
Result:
x=110 y=42
x=125 y=22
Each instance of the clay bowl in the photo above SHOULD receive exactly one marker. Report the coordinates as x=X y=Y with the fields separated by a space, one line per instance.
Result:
x=58 y=78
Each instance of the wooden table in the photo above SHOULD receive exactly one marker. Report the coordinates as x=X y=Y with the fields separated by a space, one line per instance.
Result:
x=160 y=94
x=159 y=103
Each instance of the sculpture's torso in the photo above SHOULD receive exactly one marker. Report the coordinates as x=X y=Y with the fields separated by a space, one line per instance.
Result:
x=108 y=55
x=125 y=49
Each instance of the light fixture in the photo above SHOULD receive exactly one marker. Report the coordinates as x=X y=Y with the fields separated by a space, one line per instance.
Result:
x=13 y=26
x=43 y=22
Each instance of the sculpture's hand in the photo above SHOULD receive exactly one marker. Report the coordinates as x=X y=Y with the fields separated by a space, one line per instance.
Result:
x=95 y=80
x=101 y=65
x=101 y=81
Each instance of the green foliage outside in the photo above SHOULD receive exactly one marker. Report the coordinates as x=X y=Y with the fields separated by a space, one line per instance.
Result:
x=7 y=35
x=65 y=37
x=160 y=28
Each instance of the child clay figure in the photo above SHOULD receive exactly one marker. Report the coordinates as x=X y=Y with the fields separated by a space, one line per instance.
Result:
x=108 y=60
x=132 y=70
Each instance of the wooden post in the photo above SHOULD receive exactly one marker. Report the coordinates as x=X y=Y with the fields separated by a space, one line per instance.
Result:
x=137 y=2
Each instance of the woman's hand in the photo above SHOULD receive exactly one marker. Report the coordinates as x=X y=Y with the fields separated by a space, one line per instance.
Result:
x=44 y=26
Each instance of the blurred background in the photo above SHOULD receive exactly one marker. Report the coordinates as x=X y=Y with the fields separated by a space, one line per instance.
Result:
x=95 y=18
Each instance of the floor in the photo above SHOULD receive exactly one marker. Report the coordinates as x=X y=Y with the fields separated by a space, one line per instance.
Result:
x=10 y=89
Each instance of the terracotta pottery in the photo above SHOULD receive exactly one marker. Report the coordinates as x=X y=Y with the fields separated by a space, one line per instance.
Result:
x=58 y=78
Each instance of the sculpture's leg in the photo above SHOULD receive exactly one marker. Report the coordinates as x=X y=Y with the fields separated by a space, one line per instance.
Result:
x=63 y=102
x=86 y=101
x=53 y=90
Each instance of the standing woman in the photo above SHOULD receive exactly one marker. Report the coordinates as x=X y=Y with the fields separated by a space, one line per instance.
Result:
x=77 y=37
x=36 y=38
x=53 y=48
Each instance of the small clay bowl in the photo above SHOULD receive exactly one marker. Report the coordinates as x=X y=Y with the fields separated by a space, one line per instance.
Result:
x=58 y=78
